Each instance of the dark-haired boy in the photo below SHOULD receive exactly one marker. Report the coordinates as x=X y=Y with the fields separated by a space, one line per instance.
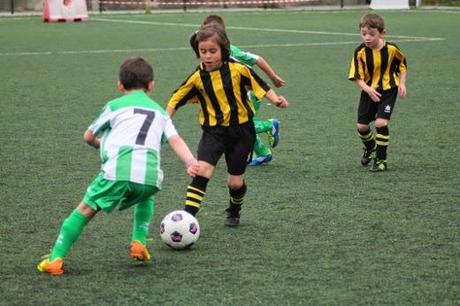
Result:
x=129 y=132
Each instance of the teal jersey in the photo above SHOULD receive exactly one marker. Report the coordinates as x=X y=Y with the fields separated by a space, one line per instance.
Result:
x=244 y=57
x=132 y=128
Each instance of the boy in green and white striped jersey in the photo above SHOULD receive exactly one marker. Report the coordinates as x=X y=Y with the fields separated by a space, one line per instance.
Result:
x=129 y=132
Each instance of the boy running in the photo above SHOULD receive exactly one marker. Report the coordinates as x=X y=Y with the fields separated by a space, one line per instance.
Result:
x=129 y=133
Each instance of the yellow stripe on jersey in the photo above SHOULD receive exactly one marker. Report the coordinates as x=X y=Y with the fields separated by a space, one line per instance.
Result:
x=380 y=69
x=222 y=94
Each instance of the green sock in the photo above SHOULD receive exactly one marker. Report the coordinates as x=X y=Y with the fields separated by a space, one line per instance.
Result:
x=263 y=126
x=143 y=213
x=70 y=231
x=260 y=148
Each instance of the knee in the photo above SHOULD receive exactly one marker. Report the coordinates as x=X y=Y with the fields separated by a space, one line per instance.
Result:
x=362 y=127
x=380 y=123
x=235 y=182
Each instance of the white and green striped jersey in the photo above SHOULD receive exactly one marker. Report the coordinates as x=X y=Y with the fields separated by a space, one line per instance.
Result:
x=244 y=57
x=132 y=128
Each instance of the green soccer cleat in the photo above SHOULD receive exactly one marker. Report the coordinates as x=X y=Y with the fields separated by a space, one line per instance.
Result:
x=260 y=160
x=55 y=267
x=139 y=251
x=274 y=133
x=368 y=154
x=379 y=166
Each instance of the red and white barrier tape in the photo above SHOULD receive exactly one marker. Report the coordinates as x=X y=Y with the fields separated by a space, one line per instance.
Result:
x=207 y=2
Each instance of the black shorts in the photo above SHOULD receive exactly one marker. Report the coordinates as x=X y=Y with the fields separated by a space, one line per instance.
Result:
x=369 y=110
x=235 y=142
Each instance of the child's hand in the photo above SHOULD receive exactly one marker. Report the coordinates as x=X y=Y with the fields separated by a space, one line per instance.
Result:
x=402 y=90
x=192 y=168
x=374 y=94
x=277 y=81
x=281 y=102
x=97 y=142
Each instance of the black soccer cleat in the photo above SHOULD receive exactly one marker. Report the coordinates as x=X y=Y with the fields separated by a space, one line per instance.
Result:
x=367 y=156
x=232 y=219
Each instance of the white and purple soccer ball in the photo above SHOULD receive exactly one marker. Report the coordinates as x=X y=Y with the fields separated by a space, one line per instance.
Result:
x=179 y=229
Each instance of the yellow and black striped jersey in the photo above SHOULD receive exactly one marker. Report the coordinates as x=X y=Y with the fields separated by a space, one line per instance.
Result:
x=222 y=94
x=380 y=69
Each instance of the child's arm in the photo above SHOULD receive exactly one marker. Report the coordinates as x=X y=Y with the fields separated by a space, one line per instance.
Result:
x=279 y=101
x=402 y=84
x=183 y=152
x=92 y=139
x=171 y=111
x=374 y=94
x=265 y=67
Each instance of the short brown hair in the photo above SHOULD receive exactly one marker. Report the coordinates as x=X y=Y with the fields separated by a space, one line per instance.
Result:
x=213 y=19
x=208 y=31
x=135 y=73
x=372 y=21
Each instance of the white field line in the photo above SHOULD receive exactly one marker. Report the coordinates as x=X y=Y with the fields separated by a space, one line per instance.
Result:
x=196 y=26
x=395 y=38
x=311 y=44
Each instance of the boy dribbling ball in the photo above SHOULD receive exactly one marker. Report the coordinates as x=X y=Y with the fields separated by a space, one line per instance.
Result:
x=219 y=85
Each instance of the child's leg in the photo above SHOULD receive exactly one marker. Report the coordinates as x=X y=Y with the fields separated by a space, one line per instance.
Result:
x=366 y=135
x=195 y=194
x=143 y=214
x=237 y=189
x=197 y=188
x=71 y=229
x=382 y=138
x=368 y=140
x=260 y=148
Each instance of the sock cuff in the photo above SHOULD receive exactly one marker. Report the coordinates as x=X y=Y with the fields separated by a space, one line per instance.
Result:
x=78 y=215
x=200 y=182
x=365 y=133
x=382 y=130
x=238 y=193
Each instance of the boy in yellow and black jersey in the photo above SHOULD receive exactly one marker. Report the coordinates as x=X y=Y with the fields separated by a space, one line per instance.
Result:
x=379 y=69
x=222 y=93
x=220 y=86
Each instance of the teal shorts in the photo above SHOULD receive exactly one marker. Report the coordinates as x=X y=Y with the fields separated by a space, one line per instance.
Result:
x=106 y=195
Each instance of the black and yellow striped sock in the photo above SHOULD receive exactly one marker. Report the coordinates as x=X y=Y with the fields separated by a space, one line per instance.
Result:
x=195 y=194
x=367 y=138
x=382 y=139
x=236 y=200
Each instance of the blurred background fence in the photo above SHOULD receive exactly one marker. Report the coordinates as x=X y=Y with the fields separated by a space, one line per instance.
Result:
x=35 y=6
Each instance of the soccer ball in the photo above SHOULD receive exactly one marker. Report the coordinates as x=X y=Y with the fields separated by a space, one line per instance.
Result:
x=179 y=229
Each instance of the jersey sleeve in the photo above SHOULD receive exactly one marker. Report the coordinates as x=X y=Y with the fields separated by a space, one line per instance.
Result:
x=186 y=93
x=254 y=82
x=170 y=129
x=244 y=57
x=356 y=68
x=401 y=59
x=102 y=122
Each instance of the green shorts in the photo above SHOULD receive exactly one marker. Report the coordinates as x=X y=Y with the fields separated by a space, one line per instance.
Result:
x=106 y=195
